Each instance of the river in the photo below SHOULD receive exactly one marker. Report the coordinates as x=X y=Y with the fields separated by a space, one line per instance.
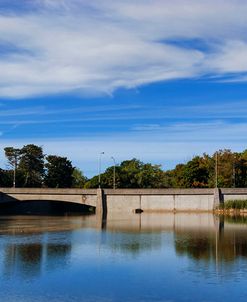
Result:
x=147 y=257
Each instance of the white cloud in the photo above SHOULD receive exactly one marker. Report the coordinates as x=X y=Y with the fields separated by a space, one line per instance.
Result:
x=99 y=46
x=231 y=58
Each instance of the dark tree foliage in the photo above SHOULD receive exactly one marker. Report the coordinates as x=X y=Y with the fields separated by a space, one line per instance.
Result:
x=79 y=179
x=199 y=172
x=176 y=177
x=131 y=174
x=106 y=179
x=196 y=174
x=31 y=165
x=59 y=172
x=136 y=174
x=28 y=168
x=13 y=156
x=6 y=178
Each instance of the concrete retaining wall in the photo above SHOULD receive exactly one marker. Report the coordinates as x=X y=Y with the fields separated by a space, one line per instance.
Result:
x=159 y=200
x=231 y=194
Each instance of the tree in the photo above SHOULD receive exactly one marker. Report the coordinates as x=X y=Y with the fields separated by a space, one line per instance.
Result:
x=106 y=179
x=240 y=169
x=31 y=165
x=13 y=156
x=225 y=168
x=79 y=179
x=131 y=174
x=196 y=173
x=59 y=172
x=6 y=178
x=176 y=177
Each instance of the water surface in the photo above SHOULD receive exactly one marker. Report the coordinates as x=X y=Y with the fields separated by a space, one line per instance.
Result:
x=147 y=257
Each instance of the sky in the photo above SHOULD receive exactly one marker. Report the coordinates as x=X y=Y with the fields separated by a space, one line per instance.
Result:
x=157 y=80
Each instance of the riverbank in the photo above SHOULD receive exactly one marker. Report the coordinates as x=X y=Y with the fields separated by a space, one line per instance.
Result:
x=232 y=207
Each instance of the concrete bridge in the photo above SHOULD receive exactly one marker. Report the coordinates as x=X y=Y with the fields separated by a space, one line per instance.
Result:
x=128 y=200
x=87 y=197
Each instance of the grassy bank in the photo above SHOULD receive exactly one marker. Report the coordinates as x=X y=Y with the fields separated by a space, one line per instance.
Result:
x=233 y=207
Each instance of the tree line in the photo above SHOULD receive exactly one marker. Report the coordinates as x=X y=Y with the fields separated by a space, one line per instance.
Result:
x=199 y=172
x=30 y=167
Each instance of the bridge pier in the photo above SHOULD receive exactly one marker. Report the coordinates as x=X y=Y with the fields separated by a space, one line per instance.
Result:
x=101 y=205
x=218 y=198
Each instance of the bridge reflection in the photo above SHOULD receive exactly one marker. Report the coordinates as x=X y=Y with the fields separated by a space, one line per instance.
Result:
x=37 y=243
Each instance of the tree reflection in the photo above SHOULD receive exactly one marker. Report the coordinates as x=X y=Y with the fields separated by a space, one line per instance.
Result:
x=225 y=244
x=27 y=260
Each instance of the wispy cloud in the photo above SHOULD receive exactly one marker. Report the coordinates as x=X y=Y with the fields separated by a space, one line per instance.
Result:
x=212 y=131
x=94 y=47
x=129 y=112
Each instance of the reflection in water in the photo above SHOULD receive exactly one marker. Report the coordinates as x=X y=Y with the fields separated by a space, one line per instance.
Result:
x=28 y=259
x=224 y=244
x=135 y=257
x=20 y=258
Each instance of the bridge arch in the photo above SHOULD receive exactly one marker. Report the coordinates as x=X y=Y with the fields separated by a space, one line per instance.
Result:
x=86 y=197
x=45 y=207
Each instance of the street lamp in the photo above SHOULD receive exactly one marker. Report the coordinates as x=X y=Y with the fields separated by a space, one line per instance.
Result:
x=15 y=166
x=234 y=171
x=114 y=173
x=101 y=153
x=216 y=169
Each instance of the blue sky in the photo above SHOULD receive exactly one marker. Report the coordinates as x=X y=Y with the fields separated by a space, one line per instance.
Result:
x=154 y=80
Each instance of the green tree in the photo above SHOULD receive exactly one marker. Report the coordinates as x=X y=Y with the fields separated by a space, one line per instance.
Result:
x=240 y=169
x=79 y=179
x=176 y=177
x=196 y=173
x=59 y=172
x=6 y=178
x=31 y=165
x=106 y=179
x=131 y=174
x=13 y=157
x=225 y=168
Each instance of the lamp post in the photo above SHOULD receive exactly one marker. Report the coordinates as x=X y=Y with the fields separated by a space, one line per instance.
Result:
x=101 y=153
x=216 y=169
x=234 y=171
x=15 y=165
x=114 y=173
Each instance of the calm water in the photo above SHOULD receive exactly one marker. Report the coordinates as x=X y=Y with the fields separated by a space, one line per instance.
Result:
x=181 y=257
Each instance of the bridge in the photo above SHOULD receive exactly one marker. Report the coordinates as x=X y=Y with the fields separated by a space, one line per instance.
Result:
x=128 y=200
x=78 y=196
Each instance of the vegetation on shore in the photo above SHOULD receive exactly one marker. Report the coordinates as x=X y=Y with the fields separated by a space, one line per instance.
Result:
x=30 y=167
x=234 y=205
